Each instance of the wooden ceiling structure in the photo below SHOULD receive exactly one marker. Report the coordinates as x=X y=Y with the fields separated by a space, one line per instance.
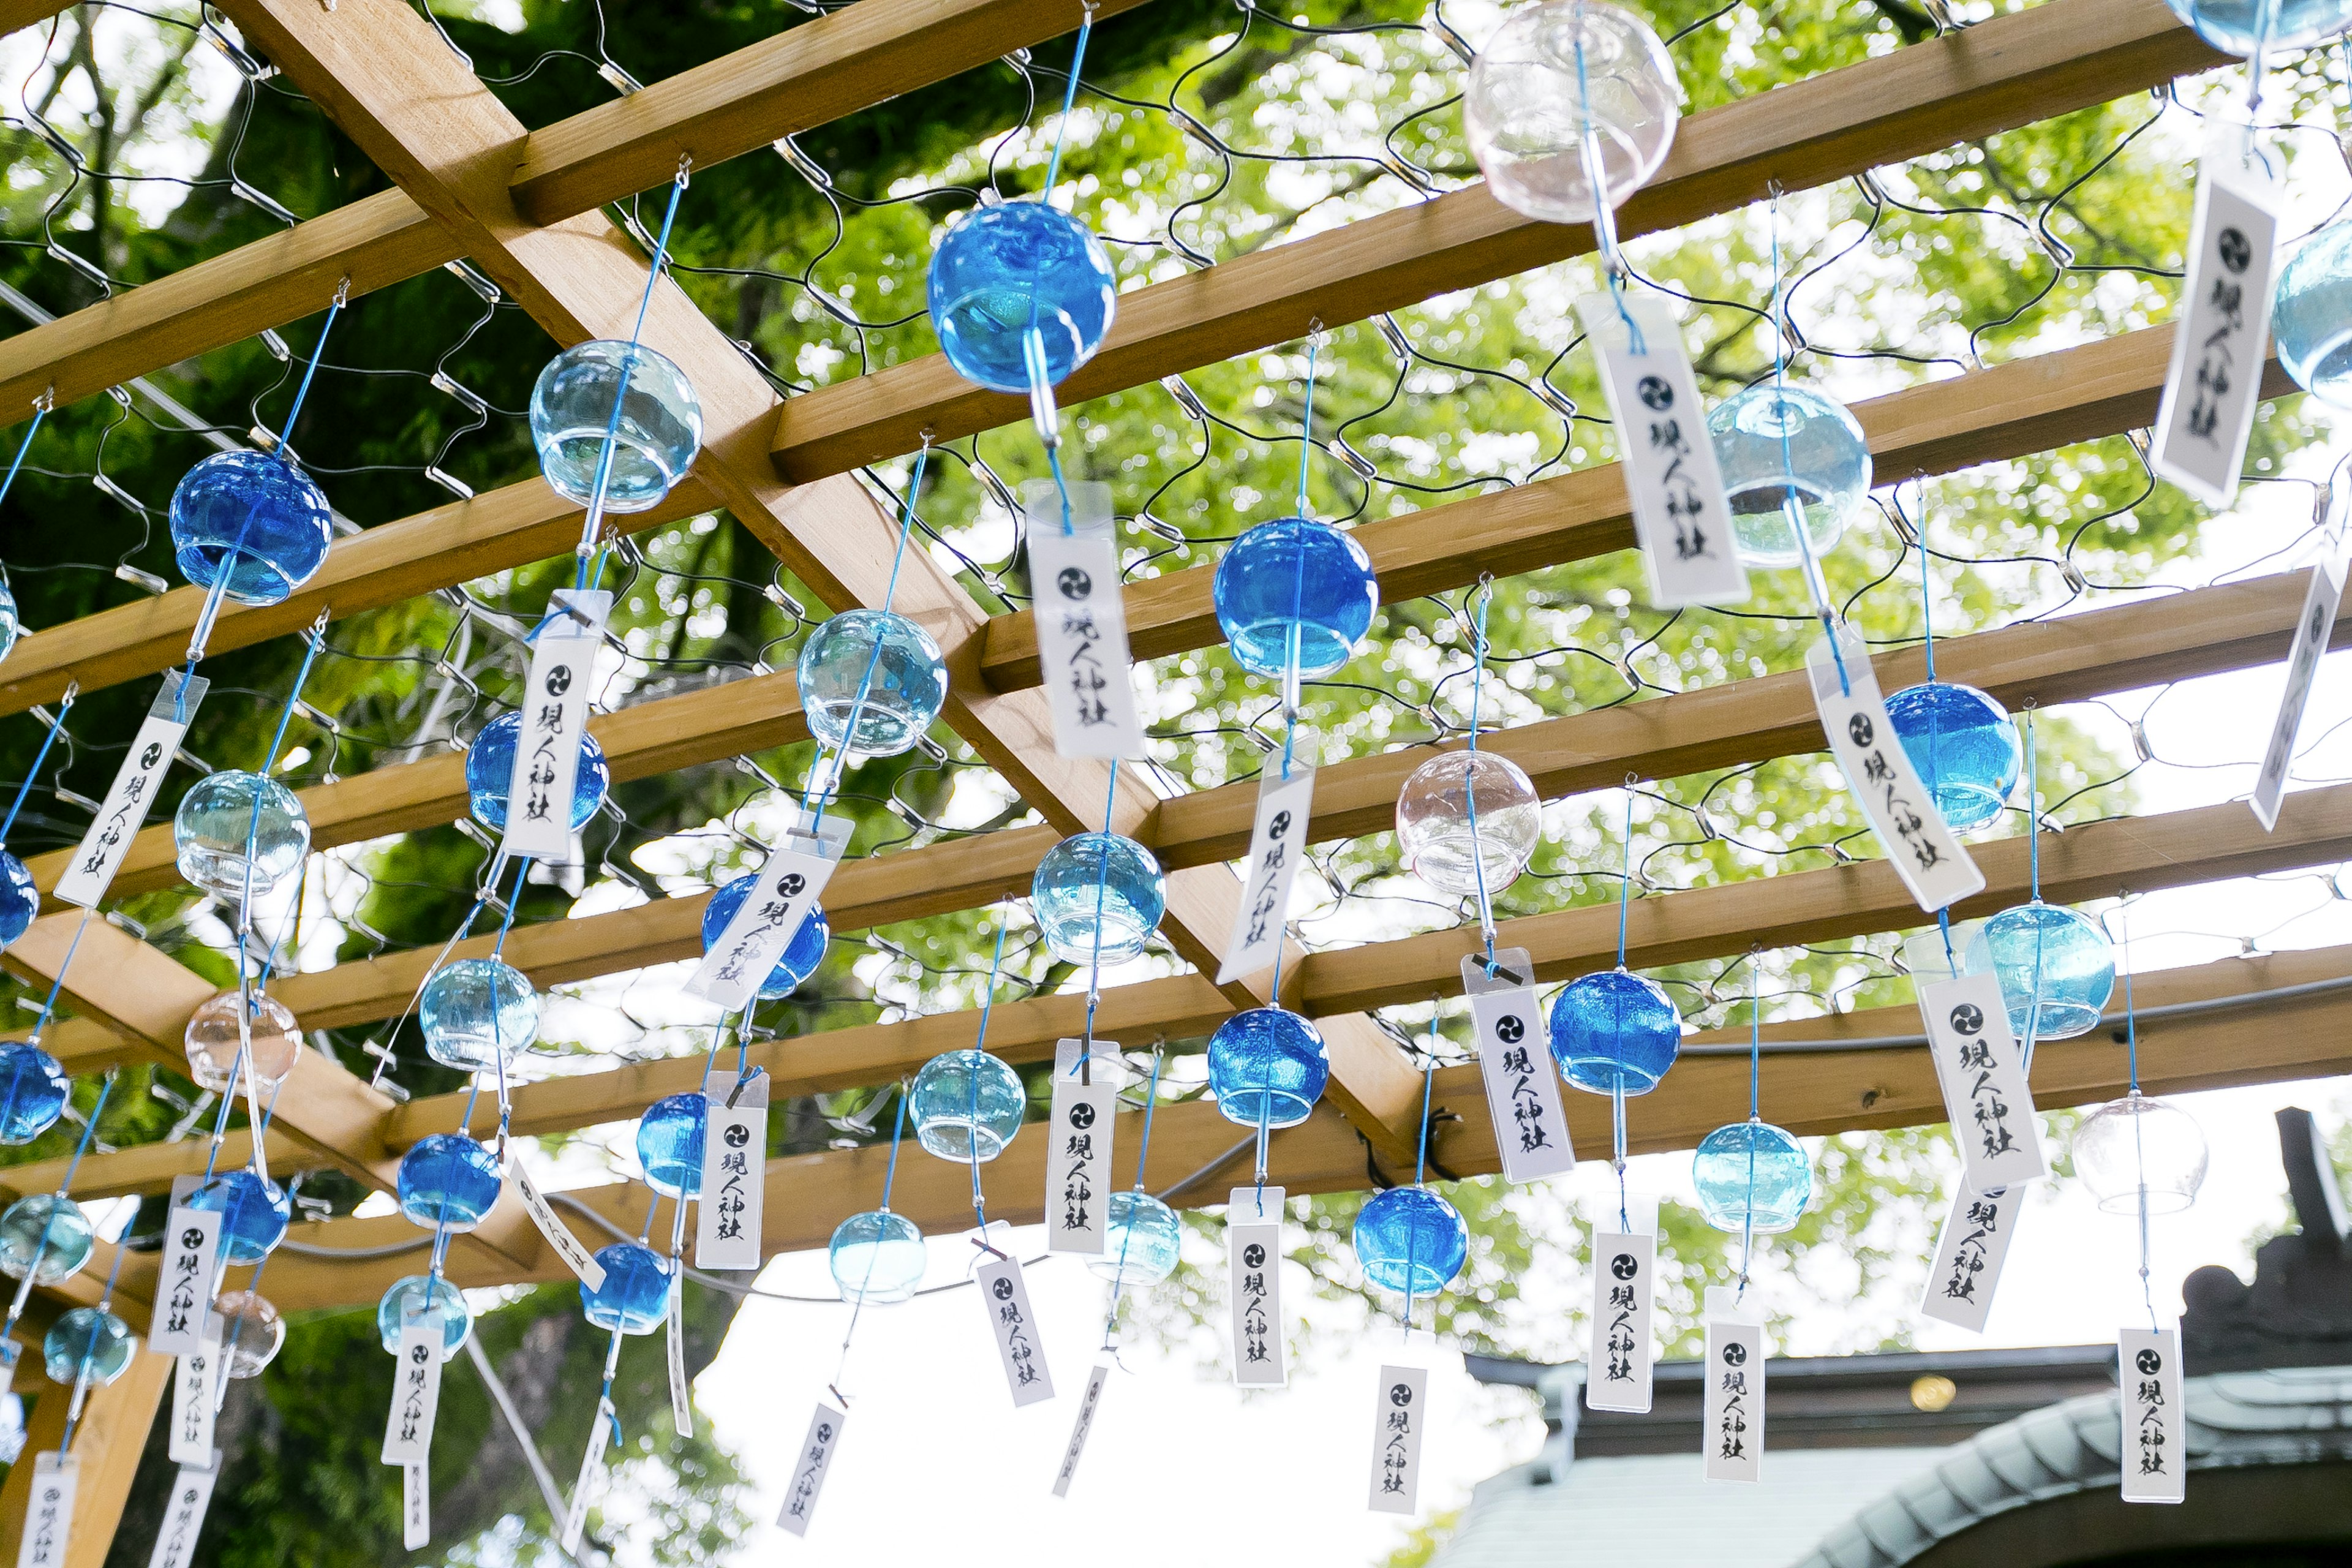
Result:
x=525 y=208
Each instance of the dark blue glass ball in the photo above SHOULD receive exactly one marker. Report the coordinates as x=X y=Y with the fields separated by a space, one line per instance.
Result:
x=1409 y=1238
x=254 y=516
x=490 y=770
x=254 y=1213
x=1614 y=1030
x=669 y=1145
x=1964 y=747
x=1267 y=1064
x=636 y=1297
x=1295 y=588
x=1010 y=269
x=801 y=955
x=19 y=900
x=33 y=1090
x=449 y=1179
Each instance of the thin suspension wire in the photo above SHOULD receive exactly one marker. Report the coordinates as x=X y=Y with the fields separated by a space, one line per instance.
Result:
x=57 y=727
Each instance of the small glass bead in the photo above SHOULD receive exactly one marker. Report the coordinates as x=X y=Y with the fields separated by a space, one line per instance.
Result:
x=1466 y=819
x=33 y=1090
x=636 y=1297
x=19 y=900
x=1267 y=1065
x=2134 y=1138
x=252 y=1333
x=1097 y=887
x=1750 y=1175
x=801 y=955
x=2053 y=950
x=654 y=443
x=877 y=1257
x=475 y=1011
x=254 y=1213
x=1525 y=109
x=449 y=1179
x=225 y=813
x=44 y=1229
x=1613 y=1029
x=1774 y=443
x=256 y=514
x=416 y=1296
x=1011 y=267
x=88 y=1344
x=1409 y=1239
x=2233 y=26
x=669 y=1145
x=213 y=1041
x=967 y=1103
x=2311 y=320
x=1141 y=1242
x=489 y=773
x=9 y=623
x=903 y=689
x=1964 y=747
x=1295 y=588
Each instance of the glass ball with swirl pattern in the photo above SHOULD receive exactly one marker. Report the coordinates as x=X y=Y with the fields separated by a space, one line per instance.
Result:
x=2138 y=1141
x=1268 y=1067
x=1785 y=443
x=252 y=1332
x=1614 y=1031
x=1142 y=1241
x=33 y=1090
x=2055 y=968
x=254 y=1210
x=967 y=1105
x=801 y=955
x=239 y=835
x=489 y=773
x=1295 y=591
x=1409 y=1240
x=669 y=1145
x=413 y=1298
x=877 y=1257
x=1752 y=1176
x=1020 y=290
x=252 y=519
x=476 y=1012
x=635 y=1297
x=877 y=670
x=656 y=429
x=20 y=900
x=2239 y=27
x=1466 y=820
x=2311 y=317
x=1963 y=746
x=1547 y=74
x=45 y=1236
x=1097 y=897
x=220 y=1031
x=87 y=1344
x=449 y=1179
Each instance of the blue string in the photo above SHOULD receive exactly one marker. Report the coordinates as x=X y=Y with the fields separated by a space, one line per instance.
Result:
x=593 y=524
x=1102 y=900
x=286 y=431
x=1069 y=101
x=1791 y=509
x=898 y=1131
x=1306 y=424
x=873 y=659
x=1470 y=768
x=89 y=1130
x=64 y=707
x=40 y=412
x=1625 y=892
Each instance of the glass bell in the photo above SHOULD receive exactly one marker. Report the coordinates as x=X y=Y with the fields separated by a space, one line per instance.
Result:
x=2233 y=27
x=967 y=1105
x=490 y=773
x=1611 y=1030
x=221 y=815
x=212 y=1041
x=254 y=1210
x=33 y=1090
x=1465 y=815
x=636 y=1297
x=1098 y=885
x=1267 y=1064
x=2311 y=320
x=669 y=1145
x=2134 y=1139
x=654 y=442
x=1409 y=1239
x=1295 y=588
x=255 y=515
x=415 y=1296
x=1525 y=108
x=475 y=1011
x=1010 y=269
x=1775 y=443
x=45 y=1232
x=19 y=900
x=449 y=1179
x=801 y=955
x=89 y=1343
x=2048 y=954
x=904 y=688
x=1964 y=747
x=1141 y=1242
x=252 y=1333
x=9 y=623
x=877 y=1257
x=1752 y=1176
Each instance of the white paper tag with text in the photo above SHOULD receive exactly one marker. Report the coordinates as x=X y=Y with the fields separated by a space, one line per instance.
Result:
x=1078 y=1173
x=809 y=1468
x=1624 y=1284
x=1969 y=1251
x=1277 y=848
x=2312 y=630
x=1080 y=1430
x=185 y=1286
x=1932 y=863
x=1253 y=1265
x=730 y=1214
x=100 y=852
x=2215 y=381
x=195 y=1399
x=1006 y=1296
x=415 y=1506
x=1680 y=513
x=568 y=1247
x=2155 y=1454
x=183 y=1514
x=415 y=1393
x=1981 y=1072
x=1081 y=620
x=1522 y=1086
x=1400 y=1413
x=554 y=723
x=48 y=1513
x=590 y=1481
x=681 y=1395
x=781 y=898
x=1732 y=1425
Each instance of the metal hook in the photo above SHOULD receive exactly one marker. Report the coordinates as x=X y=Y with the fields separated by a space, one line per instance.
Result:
x=344 y=291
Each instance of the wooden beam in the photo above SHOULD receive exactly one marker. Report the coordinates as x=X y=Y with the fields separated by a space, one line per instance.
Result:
x=19 y=13
x=115 y=1421
x=1999 y=74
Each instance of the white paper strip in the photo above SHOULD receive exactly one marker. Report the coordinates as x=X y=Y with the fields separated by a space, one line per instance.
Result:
x=1732 y=1427
x=1981 y=1072
x=1400 y=1413
x=101 y=849
x=1081 y=620
x=1254 y=1263
x=727 y=1216
x=568 y=1247
x=1078 y=1161
x=1624 y=1281
x=415 y=1506
x=1277 y=846
x=2312 y=630
x=2215 y=380
x=810 y=1468
x=2155 y=1453
x=415 y=1393
x=183 y=1514
x=781 y=898
x=1930 y=860
x=1970 y=1252
x=190 y=1245
x=555 y=722
x=1680 y=513
x=1081 y=1429
x=195 y=1399
x=681 y=1394
x=590 y=1481
x=48 y=1516
x=1006 y=1295
x=1522 y=1088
